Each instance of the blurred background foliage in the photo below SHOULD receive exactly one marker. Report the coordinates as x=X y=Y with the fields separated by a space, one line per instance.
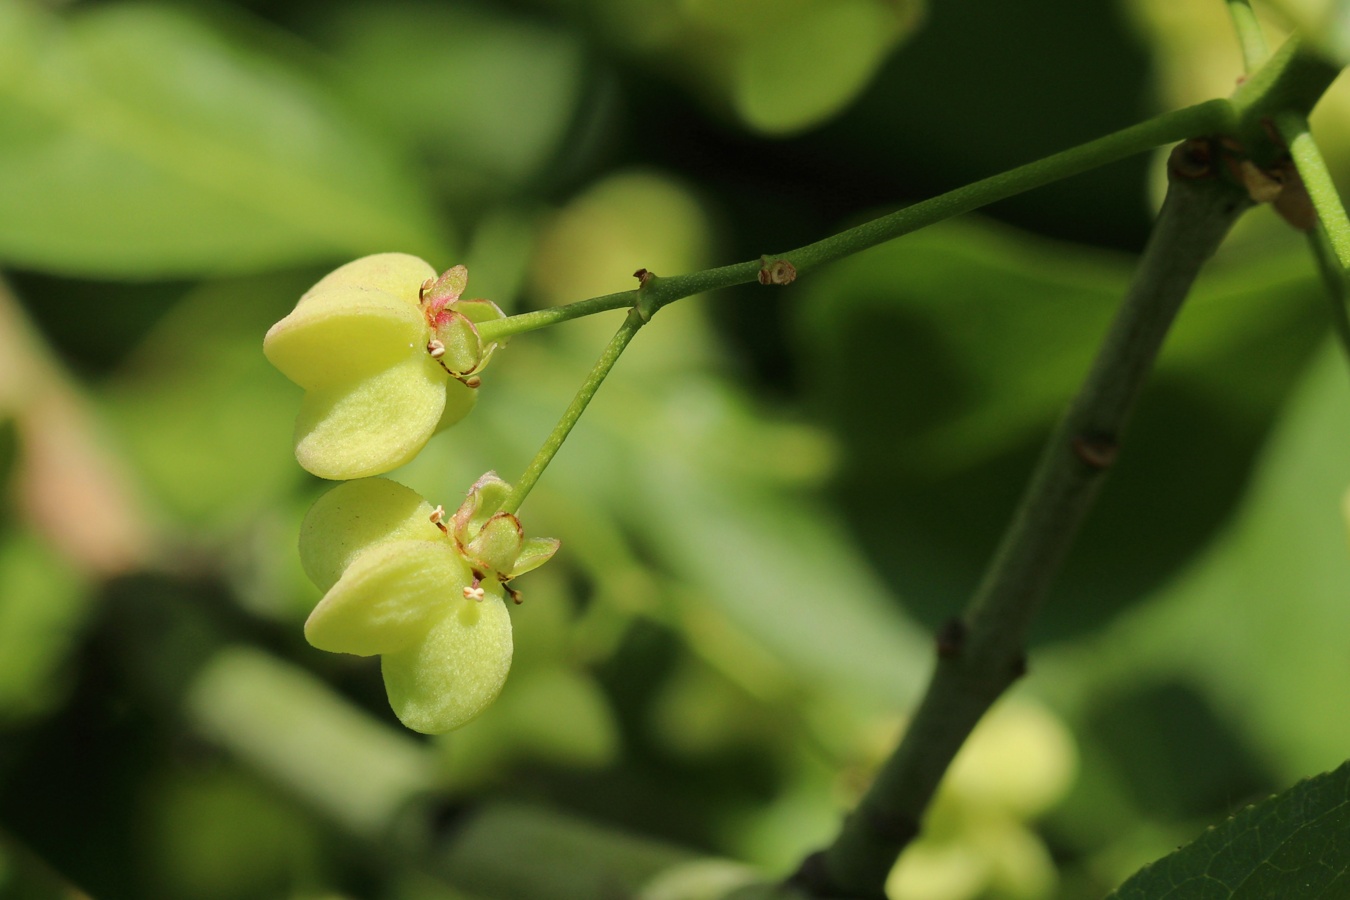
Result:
x=768 y=508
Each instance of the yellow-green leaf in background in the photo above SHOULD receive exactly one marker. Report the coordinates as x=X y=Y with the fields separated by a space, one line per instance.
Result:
x=484 y=98
x=797 y=70
x=139 y=141
x=43 y=605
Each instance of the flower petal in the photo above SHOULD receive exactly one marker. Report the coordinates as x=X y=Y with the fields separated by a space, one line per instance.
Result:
x=485 y=497
x=456 y=671
x=533 y=554
x=357 y=516
x=495 y=548
x=388 y=598
x=460 y=341
x=398 y=274
x=347 y=332
x=372 y=425
x=447 y=288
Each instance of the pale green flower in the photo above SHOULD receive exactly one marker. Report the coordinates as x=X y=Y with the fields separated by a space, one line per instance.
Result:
x=387 y=354
x=422 y=590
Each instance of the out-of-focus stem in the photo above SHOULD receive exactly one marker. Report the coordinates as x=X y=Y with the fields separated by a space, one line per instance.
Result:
x=984 y=653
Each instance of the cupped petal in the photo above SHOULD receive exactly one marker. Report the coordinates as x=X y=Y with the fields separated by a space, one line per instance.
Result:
x=485 y=497
x=372 y=425
x=447 y=288
x=533 y=554
x=347 y=332
x=357 y=516
x=455 y=671
x=495 y=548
x=399 y=274
x=389 y=597
x=462 y=348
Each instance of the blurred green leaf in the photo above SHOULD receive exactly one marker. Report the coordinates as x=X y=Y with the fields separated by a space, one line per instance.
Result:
x=1295 y=845
x=801 y=65
x=779 y=66
x=986 y=330
x=787 y=574
x=964 y=341
x=23 y=876
x=696 y=474
x=485 y=97
x=136 y=140
x=9 y=451
x=220 y=835
x=43 y=605
x=1272 y=593
x=546 y=715
x=204 y=417
x=294 y=728
x=498 y=255
x=568 y=859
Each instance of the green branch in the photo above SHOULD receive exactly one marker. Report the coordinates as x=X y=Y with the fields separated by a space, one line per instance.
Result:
x=543 y=318
x=1329 y=236
x=657 y=292
x=554 y=441
x=1291 y=81
x=982 y=655
x=1253 y=41
x=1206 y=118
x=1312 y=169
x=1334 y=280
x=1212 y=117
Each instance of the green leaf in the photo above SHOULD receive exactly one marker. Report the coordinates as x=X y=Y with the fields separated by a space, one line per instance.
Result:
x=135 y=140
x=1294 y=846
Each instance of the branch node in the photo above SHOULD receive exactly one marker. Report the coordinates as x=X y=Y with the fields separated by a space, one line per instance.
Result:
x=1193 y=159
x=776 y=271
x=646 y=305
x=1096 y=451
